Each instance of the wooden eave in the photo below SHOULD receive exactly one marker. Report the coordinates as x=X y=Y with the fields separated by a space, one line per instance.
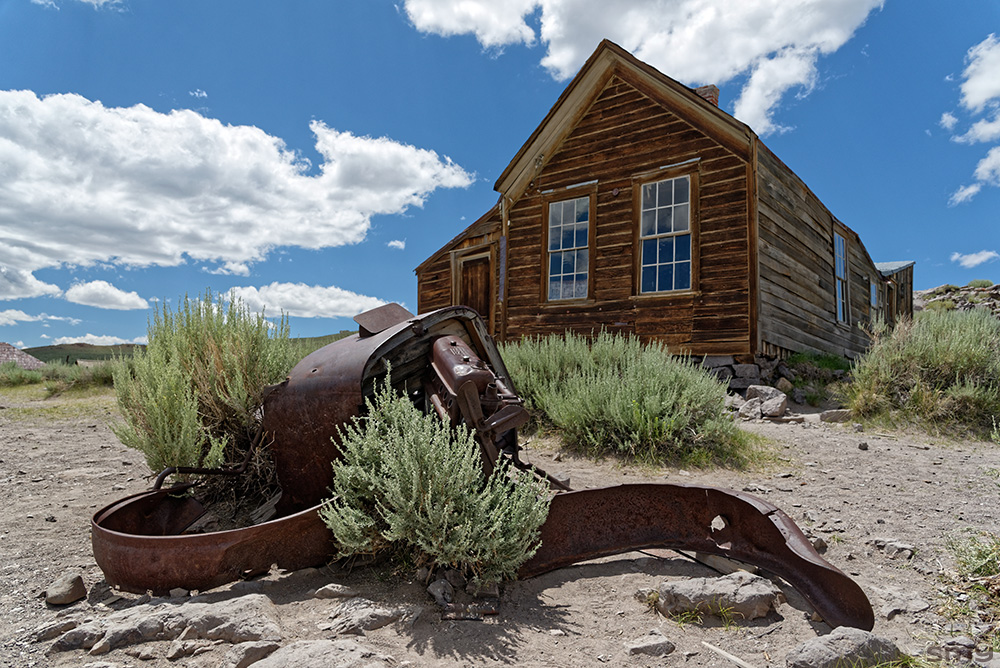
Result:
x=609 y=60
x=483 y=225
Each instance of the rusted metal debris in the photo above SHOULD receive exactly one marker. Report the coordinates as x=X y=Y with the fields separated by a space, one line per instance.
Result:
x=447 y=364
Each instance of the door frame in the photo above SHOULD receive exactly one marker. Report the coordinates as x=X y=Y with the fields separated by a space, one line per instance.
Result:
x=458 y=260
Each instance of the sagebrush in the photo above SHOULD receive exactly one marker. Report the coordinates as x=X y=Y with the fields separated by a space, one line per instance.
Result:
x=940 y=370
x=410 y=483
x=191 y=398
x=614 y=394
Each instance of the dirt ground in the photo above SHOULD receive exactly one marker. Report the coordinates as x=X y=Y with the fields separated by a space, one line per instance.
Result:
x=59 y=463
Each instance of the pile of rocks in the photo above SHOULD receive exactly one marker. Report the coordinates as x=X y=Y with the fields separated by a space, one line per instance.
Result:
x=763 y=371
x=959 y=298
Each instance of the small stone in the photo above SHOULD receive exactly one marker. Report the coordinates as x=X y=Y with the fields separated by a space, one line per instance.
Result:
x=863 y=445
x=423 y=574
x=179 y=592
x=455 y=577
x=102 y=646
x=858 y=427
x=741 y=594
x=334 y=590
x=556 y=632
x=784 y=385
x=442 y=592
x=652 y=644
x=67 y=589
x=819 y=544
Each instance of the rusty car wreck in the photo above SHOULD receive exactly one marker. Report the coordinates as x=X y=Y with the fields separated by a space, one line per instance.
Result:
x=446 y=363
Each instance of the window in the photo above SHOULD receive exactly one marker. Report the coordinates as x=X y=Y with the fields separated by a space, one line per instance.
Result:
x=873 y=286
x=568 y=249
x=840 y=269
x=665 y=236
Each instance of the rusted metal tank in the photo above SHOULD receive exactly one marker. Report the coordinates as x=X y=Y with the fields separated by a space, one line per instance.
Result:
x=447 y=364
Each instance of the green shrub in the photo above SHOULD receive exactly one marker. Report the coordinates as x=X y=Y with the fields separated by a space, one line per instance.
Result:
x=826 y=361
x=940 y=305
x=11 y=375
x=191 y=398
x=409 y=482
x=981 y=283
x=614 y=395
x=941 y=369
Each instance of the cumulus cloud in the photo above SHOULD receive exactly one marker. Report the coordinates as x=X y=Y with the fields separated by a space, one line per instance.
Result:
x=104 y=295
x=399 y=244
x=774 y=43
x=81 y=183
x=98 y=340
x=974 y=259
x=948 y=121
x=980 y=97
x=305 y=301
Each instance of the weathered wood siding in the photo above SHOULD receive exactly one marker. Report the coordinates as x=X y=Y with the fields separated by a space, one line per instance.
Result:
x=623 y=134
x=436 y=277
x=798 y=309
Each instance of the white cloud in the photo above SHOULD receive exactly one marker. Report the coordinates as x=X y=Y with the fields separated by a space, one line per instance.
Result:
x=98 y=340
x=399 y=244
x=964 y=194
x=18 y=284
x=948 y=121
x=305 y=301
x=694 y=41
x=96 y=4
x=974 y=259
x=14 y=316
x=231 y=269
x=197 y=92
x=980 y=95
x=104 y=295
x=81 y=183
x=981 y=83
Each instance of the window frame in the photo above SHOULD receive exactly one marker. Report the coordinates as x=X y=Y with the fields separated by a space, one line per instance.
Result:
x=692 y=172
x=841 y=284
x=559 y=196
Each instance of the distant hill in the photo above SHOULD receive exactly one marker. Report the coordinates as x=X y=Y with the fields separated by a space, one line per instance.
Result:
x=71 y=352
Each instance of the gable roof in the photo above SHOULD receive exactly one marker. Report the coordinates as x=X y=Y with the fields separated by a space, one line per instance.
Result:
x=609 y=60
x=889 y=268
x=9 y=353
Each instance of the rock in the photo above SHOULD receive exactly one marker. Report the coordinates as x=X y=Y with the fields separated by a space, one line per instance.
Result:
x=764 y=392
x=455 y=577
x=357 y=615
x=894 y=548
x=179 y=592
x=334 y=590
x=750 y=410
x=785 y=371
x=340 y=653
x=740 y=594
x=246 y=653
x=897 y=600
x=819 y=544
x=858 y=427
x=746 y=371
x=653 y=643
x=799 y=395
x=863 y=445
x=723 y=373
x=442 y=591
x=424 y=574
x=784 y=385
x=775 y=407
x=962 y=648
x=843 y=646
x=251 y=617
x=835 y=415
x=54 y=629
x=737 y=384
x=734 y=401
x=69 y=588
x=713 y=361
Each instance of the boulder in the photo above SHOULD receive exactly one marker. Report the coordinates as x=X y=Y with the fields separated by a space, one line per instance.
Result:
x=69 y=588
x=774 y=407
x=763 y=392
x=844 y=646
x=751 y=409
x=742 y=595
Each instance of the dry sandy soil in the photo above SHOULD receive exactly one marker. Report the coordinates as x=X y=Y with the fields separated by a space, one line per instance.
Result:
x=59 y=462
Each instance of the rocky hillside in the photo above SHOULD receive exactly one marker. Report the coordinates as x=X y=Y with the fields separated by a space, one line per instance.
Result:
x=977 y=294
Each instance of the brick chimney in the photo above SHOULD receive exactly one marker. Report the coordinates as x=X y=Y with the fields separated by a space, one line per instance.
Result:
x=710 y=93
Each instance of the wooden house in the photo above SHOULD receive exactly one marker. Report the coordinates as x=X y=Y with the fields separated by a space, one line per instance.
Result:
x=639 y=206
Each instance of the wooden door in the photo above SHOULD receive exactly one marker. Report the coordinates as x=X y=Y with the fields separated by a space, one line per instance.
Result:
x=474 y=288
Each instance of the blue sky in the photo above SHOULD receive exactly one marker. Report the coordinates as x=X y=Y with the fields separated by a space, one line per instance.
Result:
x=310 y=154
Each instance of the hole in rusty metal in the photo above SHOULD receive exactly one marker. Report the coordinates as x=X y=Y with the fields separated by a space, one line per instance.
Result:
x=719 y=523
